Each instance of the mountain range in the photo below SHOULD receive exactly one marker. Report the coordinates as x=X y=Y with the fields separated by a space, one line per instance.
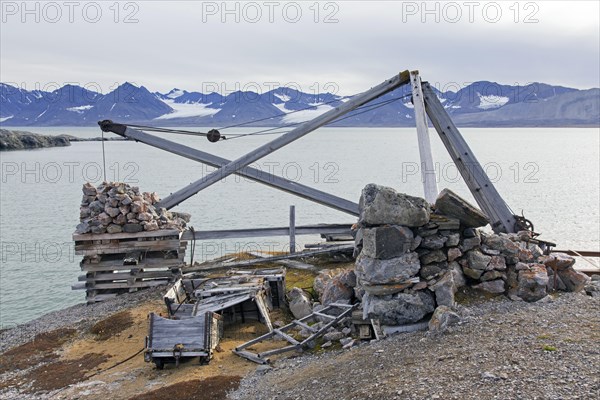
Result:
x=482 y=103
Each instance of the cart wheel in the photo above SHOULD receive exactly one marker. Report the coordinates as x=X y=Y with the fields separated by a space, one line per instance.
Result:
x=160 y=363
x=204 y=360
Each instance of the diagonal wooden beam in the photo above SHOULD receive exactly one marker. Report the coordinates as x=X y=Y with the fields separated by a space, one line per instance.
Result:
x=257 y=175
x=266 y=149
x=483 y=190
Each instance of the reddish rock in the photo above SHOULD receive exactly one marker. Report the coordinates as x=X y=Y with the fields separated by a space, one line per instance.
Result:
x=454 y=253
x=497 y=263
x=558 y=261
x=573 y=280
x=532 y=283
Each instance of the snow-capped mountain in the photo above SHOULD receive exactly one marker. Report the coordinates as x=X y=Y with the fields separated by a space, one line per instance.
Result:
x=481 y=103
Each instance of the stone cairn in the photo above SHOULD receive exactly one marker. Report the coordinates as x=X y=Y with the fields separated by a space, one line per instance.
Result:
x=115 y=207
x=412 y=258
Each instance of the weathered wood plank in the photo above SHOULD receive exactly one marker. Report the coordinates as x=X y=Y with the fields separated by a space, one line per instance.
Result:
x=428 y=175
x=315 y=229
x=124 y=235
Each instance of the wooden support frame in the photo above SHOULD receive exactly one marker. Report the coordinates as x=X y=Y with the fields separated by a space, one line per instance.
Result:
x=428 y=175
x=483 y=190
x=295 y=134
x=257 y=175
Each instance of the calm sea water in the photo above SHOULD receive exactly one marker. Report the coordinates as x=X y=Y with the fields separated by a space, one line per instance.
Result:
x=549 y=174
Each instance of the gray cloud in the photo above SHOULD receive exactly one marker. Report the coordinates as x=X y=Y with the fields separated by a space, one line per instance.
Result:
x=187 y=44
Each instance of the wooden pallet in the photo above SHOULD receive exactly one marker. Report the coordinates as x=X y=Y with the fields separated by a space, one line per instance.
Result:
x=340 y=313
x=125 y=262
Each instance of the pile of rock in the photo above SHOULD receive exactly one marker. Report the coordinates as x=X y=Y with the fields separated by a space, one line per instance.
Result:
x=412 y=258
x=115 y=207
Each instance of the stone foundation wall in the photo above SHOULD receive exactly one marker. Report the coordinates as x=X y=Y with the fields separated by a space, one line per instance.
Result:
x=412 y=257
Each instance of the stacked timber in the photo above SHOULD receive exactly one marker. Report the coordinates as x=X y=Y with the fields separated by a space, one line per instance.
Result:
x=126 y=242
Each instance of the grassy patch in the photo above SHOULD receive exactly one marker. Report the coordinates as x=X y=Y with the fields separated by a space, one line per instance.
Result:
x=112 y=325
x=213 y=388
x=548 y=347
x=41 y=349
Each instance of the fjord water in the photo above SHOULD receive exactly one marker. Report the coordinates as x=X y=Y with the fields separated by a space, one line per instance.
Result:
x=549 y=174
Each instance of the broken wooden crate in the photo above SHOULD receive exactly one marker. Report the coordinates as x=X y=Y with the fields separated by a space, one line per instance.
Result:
x=125 y=262
x=332 y=315
x=190 y=301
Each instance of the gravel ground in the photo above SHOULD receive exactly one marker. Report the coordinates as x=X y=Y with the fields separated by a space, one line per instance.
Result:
x=501 y=350
x=79 y=316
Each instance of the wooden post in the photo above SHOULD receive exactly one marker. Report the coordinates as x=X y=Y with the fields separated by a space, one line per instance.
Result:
x=427 y=167
x=295 y=134
x=292 y=229
x=480 y=185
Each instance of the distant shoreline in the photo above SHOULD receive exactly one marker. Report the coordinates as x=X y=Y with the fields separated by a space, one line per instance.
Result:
x=13 y=140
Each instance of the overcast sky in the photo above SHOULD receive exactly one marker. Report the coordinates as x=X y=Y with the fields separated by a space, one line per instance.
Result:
x=339 y=46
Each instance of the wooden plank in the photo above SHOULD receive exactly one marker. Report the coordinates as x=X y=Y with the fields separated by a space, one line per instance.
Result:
x=298 y=265
x=315 y=229
x=428 y=175
x=251 y=356
x=167 y=274
x=318 y=314
x=255 y=340
x=124 y=235
x=283 y=140
x=303 y=325
x=480 y=185
x=278 y=351
x=120 y=250
x=126 y=285
x=286 y=337
x=292 y=229
x=126 y=247
x=262 y=307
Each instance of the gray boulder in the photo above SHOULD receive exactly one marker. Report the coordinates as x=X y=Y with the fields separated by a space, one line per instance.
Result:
x=442 y=319
x=394 y=270
x=434 y=242
x=573 y=280
x=452 y=205
x=430 y=271
x=398 y=309
x=494 y=287
x=457 y=274
x=478 y=260
x=470 y=243
x=335 y=285
x=381 y=205
x=532 y=283
x=444 y=290
x=433 y=257
x=300 y=303
x=387 y=241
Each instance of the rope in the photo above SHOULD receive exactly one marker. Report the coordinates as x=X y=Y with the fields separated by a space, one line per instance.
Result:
x=366 y=108
x=282 y=114
x=271 y=131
